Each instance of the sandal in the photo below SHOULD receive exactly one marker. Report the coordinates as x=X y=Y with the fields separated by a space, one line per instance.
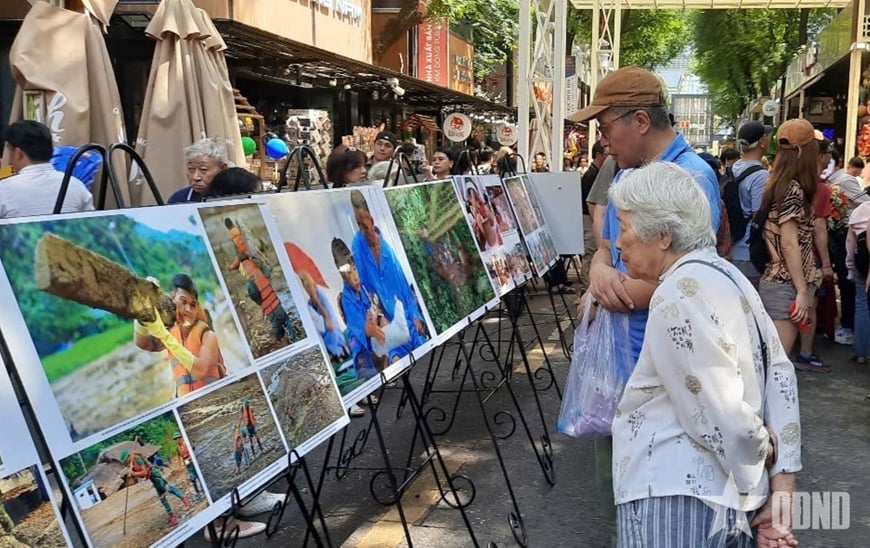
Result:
x=355 y=412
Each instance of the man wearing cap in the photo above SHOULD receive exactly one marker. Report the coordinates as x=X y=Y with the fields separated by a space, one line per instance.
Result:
x=633 y=120
x=385 y=146
x=753 y=138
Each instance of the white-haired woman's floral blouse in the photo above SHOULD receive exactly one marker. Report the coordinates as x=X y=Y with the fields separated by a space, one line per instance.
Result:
x=691 y=414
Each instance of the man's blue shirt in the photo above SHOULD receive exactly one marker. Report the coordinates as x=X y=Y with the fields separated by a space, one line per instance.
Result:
x=681 y=153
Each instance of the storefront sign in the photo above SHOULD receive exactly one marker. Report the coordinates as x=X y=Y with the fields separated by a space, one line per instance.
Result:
x=507 y=135
x=343 y=8
x=461 y=65
x=432 y=60
x=457 y=127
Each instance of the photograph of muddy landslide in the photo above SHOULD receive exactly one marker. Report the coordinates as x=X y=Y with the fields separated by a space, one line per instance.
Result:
x=233 y=435
x=303 y=394
x=27 y=517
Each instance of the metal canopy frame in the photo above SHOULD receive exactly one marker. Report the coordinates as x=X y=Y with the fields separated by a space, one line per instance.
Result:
x=539 y=63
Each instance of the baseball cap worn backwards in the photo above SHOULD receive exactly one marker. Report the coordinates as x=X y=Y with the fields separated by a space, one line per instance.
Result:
x=626 y=87
x=751 y=133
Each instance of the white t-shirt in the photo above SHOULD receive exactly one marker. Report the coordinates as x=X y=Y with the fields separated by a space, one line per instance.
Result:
x=33 y=191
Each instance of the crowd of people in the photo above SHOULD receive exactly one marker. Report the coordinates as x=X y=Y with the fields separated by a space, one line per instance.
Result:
x=723 y=266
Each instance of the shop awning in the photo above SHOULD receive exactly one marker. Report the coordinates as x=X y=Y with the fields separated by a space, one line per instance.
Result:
x=257 y=54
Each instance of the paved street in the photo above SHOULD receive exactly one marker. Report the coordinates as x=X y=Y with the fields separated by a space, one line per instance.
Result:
x=836 y=430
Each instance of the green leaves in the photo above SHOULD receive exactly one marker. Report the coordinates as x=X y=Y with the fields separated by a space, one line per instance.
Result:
x=741 y=53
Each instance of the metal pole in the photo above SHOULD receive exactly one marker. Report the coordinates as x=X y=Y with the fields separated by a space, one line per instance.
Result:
x=524 y=80
x=854 y=80
x=617 y=34
x=595 y=73
x=560 y=14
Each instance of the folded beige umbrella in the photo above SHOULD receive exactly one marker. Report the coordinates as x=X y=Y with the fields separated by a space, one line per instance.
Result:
x=62 y=54
x=189 y=96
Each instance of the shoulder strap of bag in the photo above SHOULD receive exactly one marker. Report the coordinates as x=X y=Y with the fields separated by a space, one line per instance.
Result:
x=747 y=172
x=764 y=356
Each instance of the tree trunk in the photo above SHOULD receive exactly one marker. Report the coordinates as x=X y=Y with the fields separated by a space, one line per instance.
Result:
x=802 y=28
x=408 y=17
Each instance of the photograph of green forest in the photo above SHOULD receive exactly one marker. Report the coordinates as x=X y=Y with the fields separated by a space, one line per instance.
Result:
x=78 y=283
x=436 y=237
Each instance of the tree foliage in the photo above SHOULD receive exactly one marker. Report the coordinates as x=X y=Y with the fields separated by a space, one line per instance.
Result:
x=741 y=53
x=157 y=431
x=494 y=24
x=53 y=322
x=649 y=38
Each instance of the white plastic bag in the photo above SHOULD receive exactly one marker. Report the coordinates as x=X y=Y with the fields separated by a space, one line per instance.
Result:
x=600 y=366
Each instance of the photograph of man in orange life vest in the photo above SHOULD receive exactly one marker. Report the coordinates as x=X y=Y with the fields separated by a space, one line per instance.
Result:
x=253 y=276
x=193 y=348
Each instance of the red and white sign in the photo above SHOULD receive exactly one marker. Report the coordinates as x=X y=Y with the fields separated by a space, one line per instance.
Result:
x=457 y=127
x=508 y=135
x=433 y=64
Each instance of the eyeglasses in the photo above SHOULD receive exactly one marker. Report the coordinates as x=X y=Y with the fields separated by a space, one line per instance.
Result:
x=604 y=129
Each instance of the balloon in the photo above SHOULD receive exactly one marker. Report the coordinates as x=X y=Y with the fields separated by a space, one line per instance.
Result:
x=276 y=148
x=248 y=145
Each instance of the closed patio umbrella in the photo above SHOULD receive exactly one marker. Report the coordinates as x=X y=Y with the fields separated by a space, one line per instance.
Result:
x=62 y=54
x=189 y=96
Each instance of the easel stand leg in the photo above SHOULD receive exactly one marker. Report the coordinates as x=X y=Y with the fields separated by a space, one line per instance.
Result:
x=515 y=519
x=548 y=370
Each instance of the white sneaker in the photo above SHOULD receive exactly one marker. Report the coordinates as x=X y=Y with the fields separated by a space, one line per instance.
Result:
x=355 y=411
x=246 y=528
x=844 y=336
x=262 y=503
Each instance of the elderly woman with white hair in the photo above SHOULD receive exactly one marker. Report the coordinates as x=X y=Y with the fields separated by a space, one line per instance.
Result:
x=708 y=426
x=203 y=160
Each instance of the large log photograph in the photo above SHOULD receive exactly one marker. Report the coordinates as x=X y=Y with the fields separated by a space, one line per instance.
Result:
x=125 y=312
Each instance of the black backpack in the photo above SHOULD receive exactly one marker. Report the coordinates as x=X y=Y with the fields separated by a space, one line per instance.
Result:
x=758 y=254
x=731 y=196
x=862 y=256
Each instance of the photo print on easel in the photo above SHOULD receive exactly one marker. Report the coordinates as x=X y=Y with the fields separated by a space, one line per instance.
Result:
x=442 y=253
x=495 y=228
x=121 y=313
x=138 y=487
x=233 y=435
x=533 y=226
x=28 y=514
x=304 y=397
x=253 y=276
x=359 y=288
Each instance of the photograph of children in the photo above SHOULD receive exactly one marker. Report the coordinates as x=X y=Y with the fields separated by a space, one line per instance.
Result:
x=536 y=252
x=521 y=205
x=481 y=216
x=253 y=276
x=136 y=487
x=441 y=249
x=233 y=434
x=125 y=311
x=507 y=223
x=360 y=292
x=304 y=397
x=483 y=220
x=27 y=516
x=533 y=200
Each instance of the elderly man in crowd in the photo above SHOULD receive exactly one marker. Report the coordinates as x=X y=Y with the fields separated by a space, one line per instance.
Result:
x=633 y=121
x=697 y=420
x=204 y=160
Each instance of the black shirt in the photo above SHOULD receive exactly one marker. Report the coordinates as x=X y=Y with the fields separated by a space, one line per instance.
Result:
x=586 y=184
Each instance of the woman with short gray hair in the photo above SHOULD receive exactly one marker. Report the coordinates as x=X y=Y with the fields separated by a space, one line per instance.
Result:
x=708 y=424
